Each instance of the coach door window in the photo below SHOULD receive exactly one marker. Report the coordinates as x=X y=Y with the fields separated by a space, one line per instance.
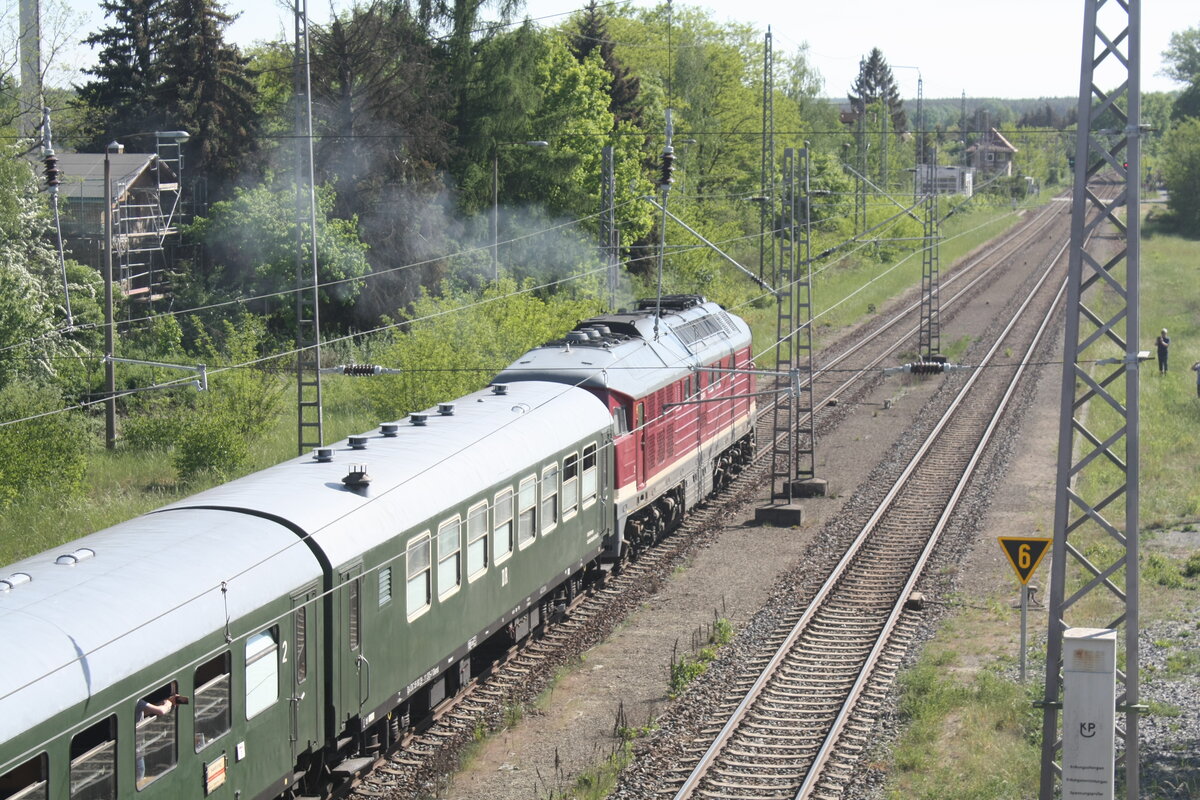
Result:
x=570 y=485
x=262 y=671
x=94 y=762
x=26 y=782
x=527 y=511
x=502 y=525
x=212 y=700
x=449 y=557
x=419 y=591
x=549 y=498
x=589 y=475
x=157 y=727
x=477 y=540
x=620 y=420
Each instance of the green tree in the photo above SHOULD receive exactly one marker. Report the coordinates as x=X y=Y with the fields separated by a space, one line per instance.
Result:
x=42 y=451
x=624 y=87
x=207 y=90
x=1180 y=162
x=447 y=351
x=380 y=110
x=1182 y=56
x=124 y=96
x=1187 y=104
x=251 y=241
x=875 y=84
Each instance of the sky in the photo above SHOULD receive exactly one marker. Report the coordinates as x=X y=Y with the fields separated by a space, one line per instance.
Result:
x=1017 y=48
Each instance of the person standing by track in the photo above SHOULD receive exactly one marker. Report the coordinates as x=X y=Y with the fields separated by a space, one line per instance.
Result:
x=1196 y=368
x=1161 y=344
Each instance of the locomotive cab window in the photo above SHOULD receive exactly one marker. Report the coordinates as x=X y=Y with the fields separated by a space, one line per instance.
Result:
x=449 y=557
x=549 y=498
x=620 y=421
x=527 y=511
x=26 y=782
x=589 y=475
x=94 y=762
x=570 y=486
x=477 y=540
x=419 y=590
x=212 y=701
x=262 y=671
x=502 y=525
x=156 y=730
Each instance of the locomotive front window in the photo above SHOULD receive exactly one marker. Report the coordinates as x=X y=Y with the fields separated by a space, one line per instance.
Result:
x=94 y=762
x=449 y=557
x=549 y=498
x=26 y=782
x=477 y=540
x=262 y=671
x=502 y=525
x=527 y=511
x=570 y=485
x=589 y=475
x=212 y=700
x=156 y=728
x=419 y=589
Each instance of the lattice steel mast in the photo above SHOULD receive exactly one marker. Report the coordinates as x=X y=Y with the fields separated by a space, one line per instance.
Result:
x=309 y=415
x=793 y=457
x=1100 y=349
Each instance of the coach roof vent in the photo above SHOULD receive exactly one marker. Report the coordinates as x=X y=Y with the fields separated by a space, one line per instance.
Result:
x=357 y=478
x=323 y=454
x=72 y=558
x=578 y=337
x=14 y=580
x=358 y=443
x=389 y=429
x=446 y=409
x=499 y=388
x=418 y=419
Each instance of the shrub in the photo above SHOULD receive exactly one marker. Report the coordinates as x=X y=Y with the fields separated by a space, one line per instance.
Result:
x=50 y=451
x=209 y=448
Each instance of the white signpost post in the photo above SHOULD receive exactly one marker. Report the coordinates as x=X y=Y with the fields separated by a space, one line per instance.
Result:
x=1089 y=703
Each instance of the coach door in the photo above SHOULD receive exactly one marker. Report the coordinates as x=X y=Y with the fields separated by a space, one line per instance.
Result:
x=356 y=670
x=305 y=700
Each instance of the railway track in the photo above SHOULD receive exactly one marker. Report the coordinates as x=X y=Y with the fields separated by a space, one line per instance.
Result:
x=798 y=715
x=422 y=759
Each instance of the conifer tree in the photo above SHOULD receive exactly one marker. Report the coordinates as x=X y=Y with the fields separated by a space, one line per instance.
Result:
x=875 y=84
x=124 y=97
x=624 y=88
x=208 y=88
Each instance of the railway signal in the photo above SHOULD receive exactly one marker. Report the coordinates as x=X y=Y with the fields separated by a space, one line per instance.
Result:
x=1024 y=553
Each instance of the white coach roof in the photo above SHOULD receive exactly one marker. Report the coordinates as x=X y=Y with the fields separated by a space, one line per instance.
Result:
x=420 y=472
x=103 y=607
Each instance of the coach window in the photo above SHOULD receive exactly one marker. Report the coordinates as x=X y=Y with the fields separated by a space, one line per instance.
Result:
x=640 y=419
x=526 y=511
x=589 y=475
x=94 y=762
x=620 y=420
x=570 y=486
x=502 y=525
x=418 y=588
x=449 y=557
x=156 y=727
x=262 y=671
x=26 y=782
x=212 y=700
x=549 y=498
x=477 y=540
x=354 y=601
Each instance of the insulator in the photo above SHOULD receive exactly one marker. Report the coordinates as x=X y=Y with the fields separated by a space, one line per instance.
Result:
x=668 y=167
x=52 y=172
x=360 y=370
x=927 y=368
